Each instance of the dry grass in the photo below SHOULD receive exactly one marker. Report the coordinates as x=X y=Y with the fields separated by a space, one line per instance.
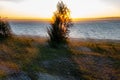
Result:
x=97 y=59
x=15 y=53
x=93 y=59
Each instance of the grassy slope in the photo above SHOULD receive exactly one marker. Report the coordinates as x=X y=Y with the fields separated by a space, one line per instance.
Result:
x=101 y=59
x=86 y=59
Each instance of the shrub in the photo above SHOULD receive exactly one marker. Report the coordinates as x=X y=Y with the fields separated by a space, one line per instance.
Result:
x=5 y=30
x=59 y=30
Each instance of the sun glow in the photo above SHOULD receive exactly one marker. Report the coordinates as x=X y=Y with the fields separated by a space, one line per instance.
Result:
x=39 y=9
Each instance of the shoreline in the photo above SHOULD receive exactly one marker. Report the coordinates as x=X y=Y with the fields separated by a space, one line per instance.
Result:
x=94 y=40
x=72 y=39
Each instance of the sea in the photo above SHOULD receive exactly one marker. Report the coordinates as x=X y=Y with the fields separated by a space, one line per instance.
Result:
x=103 y=29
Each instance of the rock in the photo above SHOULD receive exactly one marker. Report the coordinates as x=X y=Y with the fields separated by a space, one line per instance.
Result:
x=18 y=76
x=83 y=49
x=46 y=76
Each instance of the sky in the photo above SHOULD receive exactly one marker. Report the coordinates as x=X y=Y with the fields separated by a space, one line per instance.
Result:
x=43 y=9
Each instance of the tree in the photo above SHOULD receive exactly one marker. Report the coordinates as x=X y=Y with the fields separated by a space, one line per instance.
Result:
x=5 y=30
x=59 y=30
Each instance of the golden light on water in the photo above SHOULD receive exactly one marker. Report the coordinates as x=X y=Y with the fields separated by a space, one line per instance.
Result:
x=43 y=9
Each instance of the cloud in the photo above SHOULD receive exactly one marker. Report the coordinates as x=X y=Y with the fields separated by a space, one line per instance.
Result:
x=12 y=0
x=113 y=2
x=0 y=7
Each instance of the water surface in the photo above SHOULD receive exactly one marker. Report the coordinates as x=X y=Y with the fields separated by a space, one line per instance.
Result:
x=88 y=29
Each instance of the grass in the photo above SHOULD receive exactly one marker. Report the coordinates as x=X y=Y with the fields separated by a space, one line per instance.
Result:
x=17 y=51
x=89 y=60
x=102 y=62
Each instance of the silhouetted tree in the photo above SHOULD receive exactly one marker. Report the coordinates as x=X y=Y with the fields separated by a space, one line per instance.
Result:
x=5 y=30
x=59 y=30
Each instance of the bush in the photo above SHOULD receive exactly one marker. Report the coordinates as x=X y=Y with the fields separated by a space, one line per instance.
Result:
x=5 y=30
x=59 y=30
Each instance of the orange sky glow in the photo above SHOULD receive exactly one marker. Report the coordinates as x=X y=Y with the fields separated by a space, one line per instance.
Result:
x=43 y=9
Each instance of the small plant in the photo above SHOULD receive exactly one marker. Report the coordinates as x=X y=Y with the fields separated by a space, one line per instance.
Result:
x=5 y=30
x=59 y=30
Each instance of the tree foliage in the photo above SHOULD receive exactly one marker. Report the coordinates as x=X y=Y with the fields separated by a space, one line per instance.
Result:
x=59 y=30
x=5 y=30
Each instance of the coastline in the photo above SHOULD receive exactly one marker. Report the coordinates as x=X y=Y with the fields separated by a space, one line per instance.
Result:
x=73 y=39
x=94 y=40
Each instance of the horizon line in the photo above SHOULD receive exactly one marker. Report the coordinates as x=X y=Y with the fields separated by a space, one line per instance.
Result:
x=73 y=19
